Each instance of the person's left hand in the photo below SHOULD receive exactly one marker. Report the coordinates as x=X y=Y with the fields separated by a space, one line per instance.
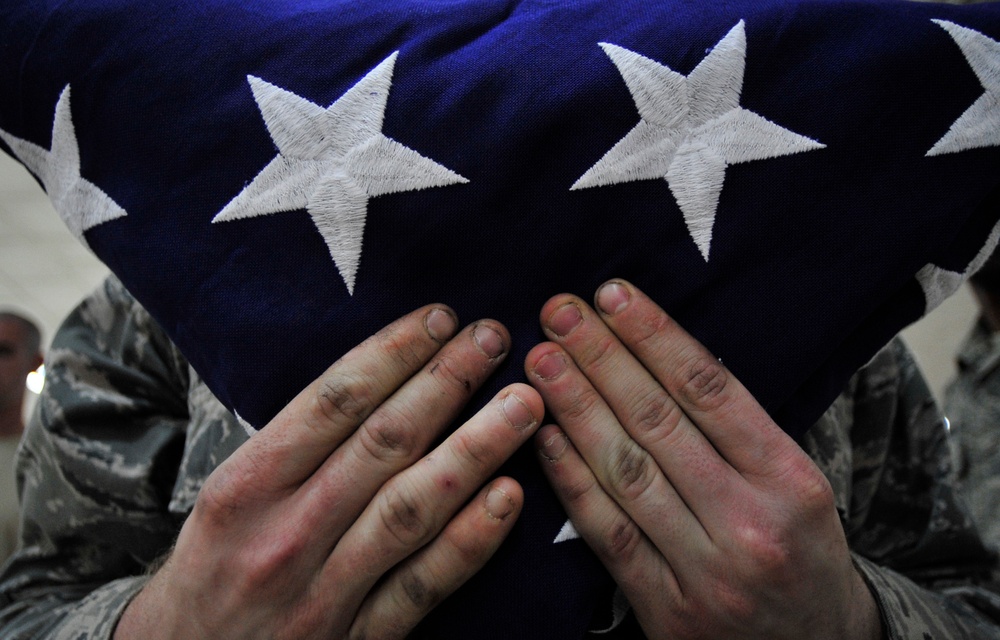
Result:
x=713 y=522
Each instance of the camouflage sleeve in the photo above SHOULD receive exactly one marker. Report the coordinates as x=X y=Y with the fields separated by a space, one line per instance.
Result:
x=884 y=445
x=96 y=472
x=972 y=402
x=911 y=611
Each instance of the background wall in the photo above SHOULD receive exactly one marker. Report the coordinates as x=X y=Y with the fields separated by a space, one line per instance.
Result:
x=44 y=272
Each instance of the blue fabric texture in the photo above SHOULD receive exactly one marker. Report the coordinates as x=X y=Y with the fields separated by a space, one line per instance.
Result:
x=813 y=258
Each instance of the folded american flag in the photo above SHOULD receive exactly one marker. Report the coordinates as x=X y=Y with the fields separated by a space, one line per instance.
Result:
x=794 y=181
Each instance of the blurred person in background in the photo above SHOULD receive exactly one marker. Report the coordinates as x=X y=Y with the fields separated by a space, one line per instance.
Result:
x=20 y=354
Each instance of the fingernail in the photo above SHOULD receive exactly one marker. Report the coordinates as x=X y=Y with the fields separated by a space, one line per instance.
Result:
x=440 y=324
x=550 y=366
x=564 y=319
x=612 y=298
x=498 y=504
x=516 y=412
x=553 y=448
x=488 y=341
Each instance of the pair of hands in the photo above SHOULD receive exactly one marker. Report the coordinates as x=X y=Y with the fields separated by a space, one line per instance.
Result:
x=334 y=521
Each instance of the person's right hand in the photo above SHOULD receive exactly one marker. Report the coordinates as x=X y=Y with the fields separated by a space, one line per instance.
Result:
x=331 y=522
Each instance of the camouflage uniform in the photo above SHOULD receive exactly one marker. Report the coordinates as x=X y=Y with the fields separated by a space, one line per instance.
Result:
x=972 y=402
x=125 y=434
x=122 y=438
x=9 y=509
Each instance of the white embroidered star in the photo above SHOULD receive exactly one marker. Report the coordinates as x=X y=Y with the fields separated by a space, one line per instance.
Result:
x=979 y=126
x=331 y=161
x=690 y=129
x=567 y=532
x=79 y=202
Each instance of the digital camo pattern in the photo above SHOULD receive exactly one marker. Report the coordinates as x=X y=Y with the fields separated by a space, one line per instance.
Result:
x=125 y=435
x=121 y=440
x=885 y=449
x=972 y=403
x=9 y=510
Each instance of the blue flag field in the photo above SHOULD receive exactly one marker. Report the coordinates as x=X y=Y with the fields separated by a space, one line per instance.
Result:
x=794 y=181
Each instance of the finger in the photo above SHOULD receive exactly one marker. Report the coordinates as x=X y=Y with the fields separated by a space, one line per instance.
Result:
x=625 y=470
x=422 y=581
x=618 y=541
x=649 y=415
x=414 y=505
x=326 y=412
x=708 y=393
x=401 y=430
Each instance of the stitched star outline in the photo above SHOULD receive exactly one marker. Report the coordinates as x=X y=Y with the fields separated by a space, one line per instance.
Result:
x=331 y=161
x=691 y=129
x=79 y=202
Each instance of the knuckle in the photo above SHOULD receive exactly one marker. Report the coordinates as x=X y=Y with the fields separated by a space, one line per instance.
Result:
x=632 y=471
x=813 y=490
x=407 y=348
x=270 y=560
x=622 y=542
x=341 y=397
x=467 y=551
x=653 y=327
x=447 y=372
x=705 y=383
x=371 y=626
x=214 y=505
x=767 y=550
x=222 y=498
x=598 y=353
x=388 y=437
x=580 y=406
x=577 y=492
x=418 y=594
x=656 y=412
x=803 y=483
x=401 y=517
x=474 y=450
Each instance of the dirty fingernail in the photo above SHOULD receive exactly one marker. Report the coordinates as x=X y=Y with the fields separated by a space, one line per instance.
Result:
x=440 y=324
x=488 y=341
x=554 y=447
x=564 y=319
x=550 y=366
x=516 y=412
x=498 y=504
x=612 y=298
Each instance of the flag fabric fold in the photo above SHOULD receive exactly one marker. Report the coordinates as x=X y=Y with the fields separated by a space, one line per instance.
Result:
x=795 y=181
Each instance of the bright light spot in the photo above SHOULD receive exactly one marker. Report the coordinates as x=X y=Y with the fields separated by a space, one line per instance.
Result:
x=947 y=424
x=36 y=380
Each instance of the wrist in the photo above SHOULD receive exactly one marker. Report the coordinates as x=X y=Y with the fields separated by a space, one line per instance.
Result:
x=864 y=617
x=145 y=617
x=132 y=623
